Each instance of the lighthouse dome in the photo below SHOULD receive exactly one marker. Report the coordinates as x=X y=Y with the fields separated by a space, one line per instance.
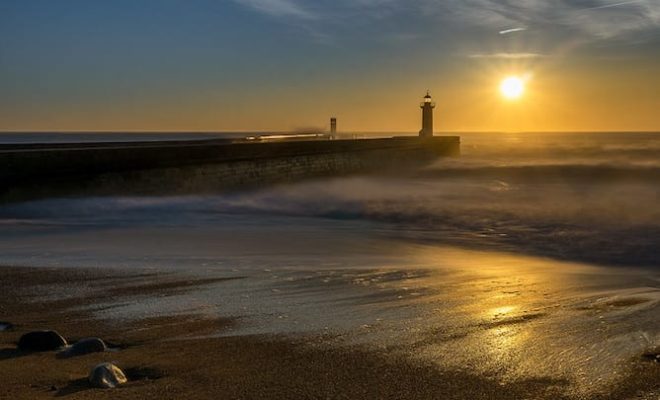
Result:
x=427 y=98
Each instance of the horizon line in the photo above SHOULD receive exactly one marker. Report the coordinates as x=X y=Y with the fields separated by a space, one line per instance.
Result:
x=2 y=132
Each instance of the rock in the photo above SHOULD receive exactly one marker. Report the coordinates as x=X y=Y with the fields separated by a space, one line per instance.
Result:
x=84 y=346
x=652 y=356
x=41 y=341
x=5 y=326
x=107 y=376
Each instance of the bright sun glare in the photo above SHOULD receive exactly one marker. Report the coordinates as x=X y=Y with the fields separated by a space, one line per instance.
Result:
x=512 y=87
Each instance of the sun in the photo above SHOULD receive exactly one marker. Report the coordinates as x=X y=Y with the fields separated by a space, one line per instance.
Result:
x=512 y=87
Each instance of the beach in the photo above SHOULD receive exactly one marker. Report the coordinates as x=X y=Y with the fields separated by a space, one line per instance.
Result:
x=182 y=356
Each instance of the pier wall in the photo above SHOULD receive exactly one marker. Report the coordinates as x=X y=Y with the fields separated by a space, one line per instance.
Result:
x=35 y=171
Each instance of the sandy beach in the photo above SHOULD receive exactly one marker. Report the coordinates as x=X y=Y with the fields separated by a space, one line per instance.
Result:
x=183 y=356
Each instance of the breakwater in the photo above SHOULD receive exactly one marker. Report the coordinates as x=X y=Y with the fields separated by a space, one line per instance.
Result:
x=189 y=167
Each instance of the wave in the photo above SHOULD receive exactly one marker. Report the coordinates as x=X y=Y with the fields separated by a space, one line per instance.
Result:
x=603 y=172
x=607 y=224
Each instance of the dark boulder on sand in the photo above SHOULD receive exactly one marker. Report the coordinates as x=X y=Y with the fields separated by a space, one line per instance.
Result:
x=107 y=376
x=84 y=346
x=41 y=341
x=652 y=356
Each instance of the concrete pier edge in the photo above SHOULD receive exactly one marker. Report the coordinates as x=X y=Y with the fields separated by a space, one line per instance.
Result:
x=189 y=167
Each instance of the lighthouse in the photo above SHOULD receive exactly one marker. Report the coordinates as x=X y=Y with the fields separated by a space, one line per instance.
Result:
x=333 y=126
x=427 y=116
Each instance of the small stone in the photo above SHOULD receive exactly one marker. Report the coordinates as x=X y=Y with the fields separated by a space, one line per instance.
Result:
x=107 y=376
x=85 y=346
x=652 y=356
x=5 y=326
x=41 y=341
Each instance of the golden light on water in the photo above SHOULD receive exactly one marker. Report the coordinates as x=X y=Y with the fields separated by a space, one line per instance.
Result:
x=512 y=87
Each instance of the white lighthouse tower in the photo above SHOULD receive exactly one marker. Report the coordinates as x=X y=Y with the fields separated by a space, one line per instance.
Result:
x=427 y=107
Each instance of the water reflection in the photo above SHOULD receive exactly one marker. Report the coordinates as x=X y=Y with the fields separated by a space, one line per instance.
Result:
x=503 y=315
x=520 y=317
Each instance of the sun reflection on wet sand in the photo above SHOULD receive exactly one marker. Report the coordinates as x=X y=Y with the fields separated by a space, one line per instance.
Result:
x=521 y=317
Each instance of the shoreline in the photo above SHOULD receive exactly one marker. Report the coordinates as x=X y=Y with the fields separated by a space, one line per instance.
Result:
x=179 y=356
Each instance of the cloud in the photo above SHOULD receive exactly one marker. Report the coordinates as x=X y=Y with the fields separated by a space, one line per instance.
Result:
x=606 y=19
x=610 y=20
x=512 y=30
x=279 y=8
x=552 y=19
x=508 y=56
x=624 y=3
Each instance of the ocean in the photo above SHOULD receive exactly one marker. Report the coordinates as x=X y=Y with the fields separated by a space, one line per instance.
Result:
x=532 y=254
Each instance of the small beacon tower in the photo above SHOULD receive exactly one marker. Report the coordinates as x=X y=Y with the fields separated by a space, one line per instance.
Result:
x=333 y=126
x=427 y=116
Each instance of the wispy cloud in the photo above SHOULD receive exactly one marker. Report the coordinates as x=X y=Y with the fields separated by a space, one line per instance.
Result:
x=623 y=3
x=605 y=19
x=512 y=30
x=279 y=8
x=508 y=56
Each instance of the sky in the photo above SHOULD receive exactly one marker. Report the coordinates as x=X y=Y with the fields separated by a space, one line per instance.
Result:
x=280 y=65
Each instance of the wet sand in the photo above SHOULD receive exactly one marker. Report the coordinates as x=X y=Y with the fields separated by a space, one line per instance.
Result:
x=182 y=356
